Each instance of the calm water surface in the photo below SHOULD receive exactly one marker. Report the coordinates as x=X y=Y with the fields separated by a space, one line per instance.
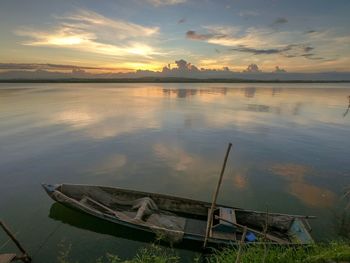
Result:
x=291 y=153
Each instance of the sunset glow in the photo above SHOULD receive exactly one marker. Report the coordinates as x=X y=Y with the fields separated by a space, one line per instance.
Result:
x=296 y=36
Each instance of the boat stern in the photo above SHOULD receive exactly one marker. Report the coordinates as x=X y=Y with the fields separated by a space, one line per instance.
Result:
x=300 y=233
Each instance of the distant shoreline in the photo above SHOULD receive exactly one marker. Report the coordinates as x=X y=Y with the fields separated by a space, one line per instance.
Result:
x=164 y=80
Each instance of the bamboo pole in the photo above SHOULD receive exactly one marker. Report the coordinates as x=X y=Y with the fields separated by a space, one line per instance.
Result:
x=276 y=214
x=25 y=256
x=265 y=232
x=241 y=243
x=210 y=218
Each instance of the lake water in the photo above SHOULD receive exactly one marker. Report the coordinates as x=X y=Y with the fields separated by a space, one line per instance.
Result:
x=291 y=151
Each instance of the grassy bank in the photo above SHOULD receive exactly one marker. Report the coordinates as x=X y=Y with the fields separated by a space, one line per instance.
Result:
x=331 y=252
x=319 y=253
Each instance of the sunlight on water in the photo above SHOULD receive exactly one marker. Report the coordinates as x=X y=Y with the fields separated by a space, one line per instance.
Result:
x=290 y=151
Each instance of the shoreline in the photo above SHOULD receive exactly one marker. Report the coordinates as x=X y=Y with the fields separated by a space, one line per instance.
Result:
x=164 y=80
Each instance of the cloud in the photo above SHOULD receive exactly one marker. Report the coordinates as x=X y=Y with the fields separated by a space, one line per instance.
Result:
x=310 y=31
x=182 y=67
x=89 y=31
x=289 y=44
x=47 y=66
x=289 y=51
x=252 y=68
x=280 y=20
x=311 y=56
x=181 y=21
x=231 y=36
x=248 y=13
x=261 y=51
x=166 y=2
x=308 y=48
x=279 y=70
x=86 y=19
x=195 y=36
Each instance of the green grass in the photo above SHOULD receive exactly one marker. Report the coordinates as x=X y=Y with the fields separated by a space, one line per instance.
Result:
x=319 y=253
x=330 y=252
x=152 y=254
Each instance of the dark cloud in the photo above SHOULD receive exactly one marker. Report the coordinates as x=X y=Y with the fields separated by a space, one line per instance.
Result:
x=48 y=66
x=268 y=51
x=181 y=21
x=290 y=51
x=308 y=48
x=182 y=65
x=279 y=70
x=248 y=13
x=252 y=68
x=280 y=20
x=310 y=31
x=311 y=56
x=195 y=36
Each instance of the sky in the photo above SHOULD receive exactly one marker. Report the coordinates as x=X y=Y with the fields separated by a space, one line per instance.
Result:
x=125 y=36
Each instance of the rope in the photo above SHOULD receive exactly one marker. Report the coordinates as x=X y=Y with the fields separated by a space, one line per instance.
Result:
x=8 y=240
x=24 y=228
x=46 y=239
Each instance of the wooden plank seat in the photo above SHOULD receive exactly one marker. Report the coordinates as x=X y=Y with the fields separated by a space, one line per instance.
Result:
x=222 y=228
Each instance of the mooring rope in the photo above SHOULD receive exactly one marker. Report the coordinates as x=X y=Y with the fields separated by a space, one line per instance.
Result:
x=8 y=240
x=59 y=224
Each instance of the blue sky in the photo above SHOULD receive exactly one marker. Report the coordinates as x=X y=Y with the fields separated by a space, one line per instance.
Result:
x=299 y=36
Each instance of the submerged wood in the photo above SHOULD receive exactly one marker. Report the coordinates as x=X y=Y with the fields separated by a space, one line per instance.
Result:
x=174 y=218
x=24 y=257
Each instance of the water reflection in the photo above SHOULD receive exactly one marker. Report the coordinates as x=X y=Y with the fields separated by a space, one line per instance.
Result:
x=180 y=93
x=81 y=220
x=110 y=164
x=249 y=92
x=170 y=138
x=347 y=110
x=258 y=108
x=299 y=187
x=240 y=181
x=175 y=156
x=276 y=91
x=185 y=93
x=84 y=221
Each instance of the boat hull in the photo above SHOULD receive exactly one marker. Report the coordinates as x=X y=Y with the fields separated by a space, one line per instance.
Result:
x=194 y=211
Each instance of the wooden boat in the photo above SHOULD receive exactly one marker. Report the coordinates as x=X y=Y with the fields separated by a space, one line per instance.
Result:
x=177 y=219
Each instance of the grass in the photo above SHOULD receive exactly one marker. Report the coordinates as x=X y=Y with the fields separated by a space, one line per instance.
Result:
x=152 y=254
x=331 y=252
x=319 y=253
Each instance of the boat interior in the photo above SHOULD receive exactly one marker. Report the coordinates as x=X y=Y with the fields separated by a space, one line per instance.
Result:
x=183 y=215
